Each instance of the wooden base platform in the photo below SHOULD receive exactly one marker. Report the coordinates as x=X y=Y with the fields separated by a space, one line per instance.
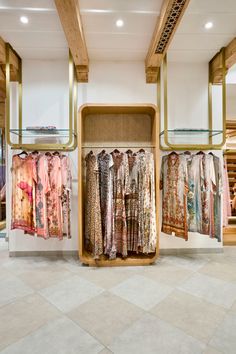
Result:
x=229 y=235
x=131 y=260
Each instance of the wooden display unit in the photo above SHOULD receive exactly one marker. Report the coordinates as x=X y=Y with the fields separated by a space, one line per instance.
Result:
x=122 y=127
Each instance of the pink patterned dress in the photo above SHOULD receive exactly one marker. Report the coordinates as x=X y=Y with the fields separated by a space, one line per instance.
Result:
x=54 y=206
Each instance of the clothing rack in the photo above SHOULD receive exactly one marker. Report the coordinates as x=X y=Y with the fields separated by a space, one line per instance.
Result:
x=117 y=146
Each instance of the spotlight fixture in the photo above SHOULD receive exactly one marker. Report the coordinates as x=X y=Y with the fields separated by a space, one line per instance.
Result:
x=119 y=23
x=208 y=25
x=24 y=20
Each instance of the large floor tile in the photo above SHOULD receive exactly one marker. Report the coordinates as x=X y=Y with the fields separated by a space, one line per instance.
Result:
x=211 y=289
x=105 y=351
x=42 y=277
x=142 y=291
x=152 y=335
x=12 y=288
x=24 y=316
x=104 y=277
x=192 y=314
x=61 y=336
x=106 y=316
x=167 y=274
x=210 y=350
x=220 y=270
x=224 y=338
x=191 y=262
x=70 y=293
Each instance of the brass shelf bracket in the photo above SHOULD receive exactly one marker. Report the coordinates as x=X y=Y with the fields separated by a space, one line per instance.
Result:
x=71 y=144
x=210 y=145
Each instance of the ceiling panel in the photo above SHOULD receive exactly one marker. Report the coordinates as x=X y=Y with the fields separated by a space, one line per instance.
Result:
x=192 y=42
x=121 y=5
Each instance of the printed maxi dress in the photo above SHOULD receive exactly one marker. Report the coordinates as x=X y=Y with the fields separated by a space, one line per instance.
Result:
x=174 y=186
x=24 y=179
x=42 y=188
x=119 y=179
x=93 y=225
x=202 y=183
x=147 y=204
x=105 y=162
x=132 y=203
x=54 y=207
x=66 y=195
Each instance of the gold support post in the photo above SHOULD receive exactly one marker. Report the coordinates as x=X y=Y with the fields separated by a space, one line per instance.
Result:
x=72 y=142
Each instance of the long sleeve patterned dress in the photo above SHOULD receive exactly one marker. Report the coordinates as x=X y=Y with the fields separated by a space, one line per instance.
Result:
x=66 y=195
x=54 y=207
x=174 y=186
x=24 y=178
x=93 y=225
x=43 y=187
x=119 y=178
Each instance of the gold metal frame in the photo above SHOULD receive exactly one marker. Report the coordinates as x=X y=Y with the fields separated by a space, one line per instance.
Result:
x=72 y=142
x=209 y=146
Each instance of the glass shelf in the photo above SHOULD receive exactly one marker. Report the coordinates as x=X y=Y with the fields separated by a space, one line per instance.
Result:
x=30 y=133
x=192 y=137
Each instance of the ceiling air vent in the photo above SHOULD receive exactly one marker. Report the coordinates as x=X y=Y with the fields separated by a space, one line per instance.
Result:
x=171 y=21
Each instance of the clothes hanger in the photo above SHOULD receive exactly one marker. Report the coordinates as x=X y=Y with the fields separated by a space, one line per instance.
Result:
x=129 y=151
x=200 y=153
x=22 y=153
x=141 y=150
x=187 y=153
x=116 y=151
x=56 y=153
x=173 y=153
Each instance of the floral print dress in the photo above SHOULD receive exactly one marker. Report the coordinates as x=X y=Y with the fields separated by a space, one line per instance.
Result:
x=93 y=225
x=174 y=184
x=24 y=178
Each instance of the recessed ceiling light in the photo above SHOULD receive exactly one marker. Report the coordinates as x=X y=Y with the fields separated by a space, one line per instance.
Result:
x=119 y=23
x=24 y=19
x=208 y=25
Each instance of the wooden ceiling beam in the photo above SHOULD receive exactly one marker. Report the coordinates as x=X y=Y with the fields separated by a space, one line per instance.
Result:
x=14 y=61
x=69 y=14
x=171 y=13
x=215 y=64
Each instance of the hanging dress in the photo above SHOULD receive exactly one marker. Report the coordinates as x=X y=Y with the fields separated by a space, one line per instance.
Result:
x=131 y=203
x=174 y=184
x=42 y=188
x=217 y=198
x=54 y=207
x=24 y=179
x=119 y=178
x=66 y=195
x=93 y=225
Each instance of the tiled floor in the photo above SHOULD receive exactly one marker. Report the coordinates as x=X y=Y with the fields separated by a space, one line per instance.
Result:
x=183 y=305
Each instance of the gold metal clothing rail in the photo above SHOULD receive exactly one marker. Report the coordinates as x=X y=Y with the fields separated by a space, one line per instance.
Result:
x=71 y=144
x=209 y=146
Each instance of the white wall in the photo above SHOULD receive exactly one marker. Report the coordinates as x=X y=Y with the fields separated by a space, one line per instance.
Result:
x=109 y=82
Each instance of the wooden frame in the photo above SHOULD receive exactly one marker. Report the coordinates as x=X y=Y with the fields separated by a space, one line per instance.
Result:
x=92 y=111
x=171 y=14
x=69 y=14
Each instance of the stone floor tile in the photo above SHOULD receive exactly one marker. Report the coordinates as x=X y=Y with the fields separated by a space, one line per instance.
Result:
x=167 y=274
x=210 y=350
x=41 y=277
x=192 y=314
x=70 y=293
x=105 y=316
x=224 y=338
x=60 y=336
x=104 y=277
x=191 y=262
x=142 y=291
x=220 y=270
x=12 y=288
x=152 y=335
x=24 y=316
x=214 y=290
x=105 y=351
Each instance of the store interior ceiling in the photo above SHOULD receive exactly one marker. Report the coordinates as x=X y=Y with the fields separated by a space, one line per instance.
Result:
x=43 y=37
